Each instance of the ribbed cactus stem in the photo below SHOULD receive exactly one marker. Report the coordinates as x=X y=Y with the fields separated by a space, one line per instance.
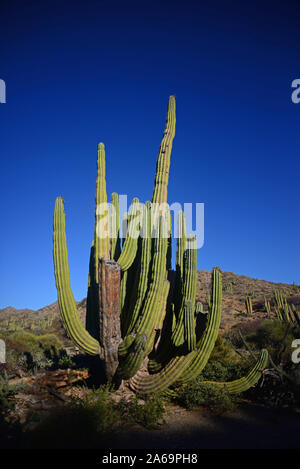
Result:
x=160 y=192
x=181 y=248
x=186 y=367
x=130 y=245
x=188 y=292
x=101 y=232
x=189 y=326
x=248 y=303
x=296 y=315
x=67 y=305
x=114 y=227
x=206 y=343
x=267 y=306
x=148 y=315
x=143 y=273
x=169 y=251
x=243 y=384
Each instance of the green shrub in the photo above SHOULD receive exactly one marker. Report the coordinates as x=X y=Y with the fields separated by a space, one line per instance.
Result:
x=207 y=395
x=224 y=363
x=223 y=351
x=273 y=335
x=7 y=391
x=30 y=352
x=65 y=362
x=79 y=424
x=147 y=413
x=224 y=371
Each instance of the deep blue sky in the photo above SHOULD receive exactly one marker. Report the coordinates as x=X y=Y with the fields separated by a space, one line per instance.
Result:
x=80 y=72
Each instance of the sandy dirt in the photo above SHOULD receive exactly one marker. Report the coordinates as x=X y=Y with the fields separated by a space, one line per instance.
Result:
x=254 y=427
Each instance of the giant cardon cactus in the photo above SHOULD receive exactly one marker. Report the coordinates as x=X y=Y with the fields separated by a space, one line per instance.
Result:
x=141 y=316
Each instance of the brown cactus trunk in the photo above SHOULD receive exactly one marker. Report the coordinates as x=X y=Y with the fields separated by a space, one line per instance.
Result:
x=109 y=314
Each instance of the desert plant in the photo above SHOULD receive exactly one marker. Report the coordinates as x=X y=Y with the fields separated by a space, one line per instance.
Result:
x=145 y=410
x=96 y=413
x=229 y=287
x=248 y=303
x=65 y=362
x=7 y=391
x=31 y=351
x=137 y=307
x=267 y=306
x=207 y=395
x=199 y=307
x=285 y=312
x=276 y=336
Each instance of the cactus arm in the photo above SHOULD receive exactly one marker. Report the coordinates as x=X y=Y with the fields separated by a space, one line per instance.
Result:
x=181 y=248
x=130 y=246
x=101 y=231
x=188 y=292
x=92 y=318
x=184 y=368
x=100 y=247
x=241 y=385
x=114 y=225
x=160 y=190
x=206 y=343
x=189 y=326
x=123 y=289
x=296 y=315
x=248 y=303
x=67 y=305
x=148 y=316
x=169 y=251
x=143 y=274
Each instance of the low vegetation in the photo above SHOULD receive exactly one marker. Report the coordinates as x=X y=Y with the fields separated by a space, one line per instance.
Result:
x=197 y=393
x=98 y=414
x=27 y=352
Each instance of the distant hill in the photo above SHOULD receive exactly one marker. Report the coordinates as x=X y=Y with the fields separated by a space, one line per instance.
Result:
x=235 y=289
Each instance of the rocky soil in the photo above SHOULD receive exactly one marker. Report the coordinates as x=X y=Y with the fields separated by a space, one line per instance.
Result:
x=250 y=426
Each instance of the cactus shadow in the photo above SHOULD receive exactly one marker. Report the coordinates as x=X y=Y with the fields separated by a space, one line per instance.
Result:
x=96 y=369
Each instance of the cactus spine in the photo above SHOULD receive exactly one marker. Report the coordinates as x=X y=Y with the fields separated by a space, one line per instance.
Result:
x=137 y=307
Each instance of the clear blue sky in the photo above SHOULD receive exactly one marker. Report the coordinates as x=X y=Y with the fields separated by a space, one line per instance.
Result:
x=81 y=72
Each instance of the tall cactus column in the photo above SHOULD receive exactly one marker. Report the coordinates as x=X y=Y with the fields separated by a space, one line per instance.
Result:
x=159 y=343
x=160 y=190
x=67 y=305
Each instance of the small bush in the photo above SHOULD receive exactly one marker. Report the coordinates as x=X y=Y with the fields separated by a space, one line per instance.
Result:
x=147 y=413
x=78 y=424
x=224 y=364
x=271 y=334
x=223 y=351
x=223 y=371
x=7 y=391
x=207 y=395
x=32 y=352
x=65 y=362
